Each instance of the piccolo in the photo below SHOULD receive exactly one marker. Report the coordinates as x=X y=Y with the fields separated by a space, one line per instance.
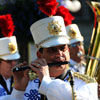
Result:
x=49 y=64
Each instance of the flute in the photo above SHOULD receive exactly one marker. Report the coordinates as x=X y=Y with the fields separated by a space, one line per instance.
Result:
x=14 y=69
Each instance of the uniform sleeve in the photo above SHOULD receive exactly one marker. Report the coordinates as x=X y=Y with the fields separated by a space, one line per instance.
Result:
x=60 y=90
x=16 y=95
x=55 y=89
x=88 y=92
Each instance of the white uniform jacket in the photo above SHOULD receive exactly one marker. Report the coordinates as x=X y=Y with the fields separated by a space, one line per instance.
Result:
x=76 y=67
x=56 y=89
x=5 y=86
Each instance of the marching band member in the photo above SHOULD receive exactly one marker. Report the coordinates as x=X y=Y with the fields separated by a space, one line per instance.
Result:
x=8 y=54
x=55 y=81
x=52 y=83
x=76 y=48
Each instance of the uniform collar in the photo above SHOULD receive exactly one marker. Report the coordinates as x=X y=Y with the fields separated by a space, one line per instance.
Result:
x=75 y=64
x=72 y=62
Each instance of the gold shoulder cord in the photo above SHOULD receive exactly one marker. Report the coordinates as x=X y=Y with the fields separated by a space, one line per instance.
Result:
x=85 y=78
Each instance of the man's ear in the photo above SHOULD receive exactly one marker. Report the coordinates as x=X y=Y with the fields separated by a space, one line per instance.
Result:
x=38 y=54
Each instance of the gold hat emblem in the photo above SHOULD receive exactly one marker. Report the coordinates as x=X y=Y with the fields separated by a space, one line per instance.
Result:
x=12 y=47
x=72 y=33
x=54 y=28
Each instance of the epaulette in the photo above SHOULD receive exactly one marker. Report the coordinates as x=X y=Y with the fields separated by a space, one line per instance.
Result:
x=85 y=78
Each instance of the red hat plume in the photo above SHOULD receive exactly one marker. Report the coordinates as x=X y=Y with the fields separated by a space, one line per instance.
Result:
x=6 y=25
x=50 y=8
x=64 y=12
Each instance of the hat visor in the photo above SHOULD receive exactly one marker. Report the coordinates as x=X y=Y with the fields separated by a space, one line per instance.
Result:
x=55 y=42
x=14 y=56
x=76 y=40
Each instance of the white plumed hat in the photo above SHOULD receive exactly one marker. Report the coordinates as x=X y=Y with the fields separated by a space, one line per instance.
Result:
x=8 y=48
x=8 y=44
x=74 y=33
x=49 y=32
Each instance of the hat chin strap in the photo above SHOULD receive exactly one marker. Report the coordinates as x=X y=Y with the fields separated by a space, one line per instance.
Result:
x=7 y=54
x=49 y=38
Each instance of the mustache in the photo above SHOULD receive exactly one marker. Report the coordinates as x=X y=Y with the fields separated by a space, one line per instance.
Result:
x=15 y=69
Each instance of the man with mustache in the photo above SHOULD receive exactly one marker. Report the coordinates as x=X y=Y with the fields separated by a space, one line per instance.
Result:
x=76 y=47
x=54 y=82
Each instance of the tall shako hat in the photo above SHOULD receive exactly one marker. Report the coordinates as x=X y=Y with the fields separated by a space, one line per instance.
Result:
x=74 y=33
x=8 y=44
x=51 y=31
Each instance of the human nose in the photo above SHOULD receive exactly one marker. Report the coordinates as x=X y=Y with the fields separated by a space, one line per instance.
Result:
x=58 y=51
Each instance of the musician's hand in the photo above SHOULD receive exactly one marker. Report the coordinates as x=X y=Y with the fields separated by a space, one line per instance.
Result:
x=40 y=67
x=21 y=78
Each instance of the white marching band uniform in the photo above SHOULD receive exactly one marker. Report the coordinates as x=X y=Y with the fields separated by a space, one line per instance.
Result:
x=8 y=51
x=74 y=37
x=2 y=89
x=51 y=32
x=57 y=89
x=77 y=67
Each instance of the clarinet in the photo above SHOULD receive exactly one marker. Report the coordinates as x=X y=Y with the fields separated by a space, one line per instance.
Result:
x=14 y=69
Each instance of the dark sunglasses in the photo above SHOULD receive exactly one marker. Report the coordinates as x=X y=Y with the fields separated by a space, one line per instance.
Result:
x=76 y=44
x=54 y=49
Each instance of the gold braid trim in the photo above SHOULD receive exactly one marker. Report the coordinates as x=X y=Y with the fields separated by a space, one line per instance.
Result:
x=85 y=78
x=49 y=38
